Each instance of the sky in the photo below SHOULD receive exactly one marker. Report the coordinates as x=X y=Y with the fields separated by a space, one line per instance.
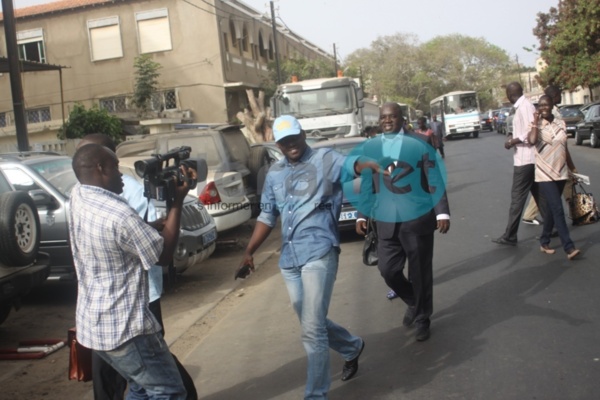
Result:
x=354 y=24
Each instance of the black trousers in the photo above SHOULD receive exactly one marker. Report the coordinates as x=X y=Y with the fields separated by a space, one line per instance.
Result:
x=523 y=184
x=416 y=289
x=109 y=385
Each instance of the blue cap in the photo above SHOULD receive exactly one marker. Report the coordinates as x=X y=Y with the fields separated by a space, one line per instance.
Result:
x=285 y=126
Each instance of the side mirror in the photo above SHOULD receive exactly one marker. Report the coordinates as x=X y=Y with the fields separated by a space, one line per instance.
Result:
x=42 y=198
x=359 y=95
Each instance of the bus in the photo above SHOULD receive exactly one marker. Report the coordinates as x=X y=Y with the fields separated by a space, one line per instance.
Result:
x=459 y=113
x=409 y=113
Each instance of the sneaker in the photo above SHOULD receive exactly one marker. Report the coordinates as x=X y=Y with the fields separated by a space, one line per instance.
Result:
x=531 y=221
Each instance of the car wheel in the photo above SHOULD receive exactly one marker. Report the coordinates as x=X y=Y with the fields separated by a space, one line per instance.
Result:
x=19 y=229
x=475 y=134
x=594 y=142
x=578 y=139
x=258 y=162
x=4 y=311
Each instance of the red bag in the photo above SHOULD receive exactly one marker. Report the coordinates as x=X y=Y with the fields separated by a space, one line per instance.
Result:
x=80 y=358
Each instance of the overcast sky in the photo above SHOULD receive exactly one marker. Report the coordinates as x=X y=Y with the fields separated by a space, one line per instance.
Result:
x=354 y=24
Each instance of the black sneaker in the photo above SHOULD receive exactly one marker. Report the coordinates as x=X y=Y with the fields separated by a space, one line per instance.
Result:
x=503 y=240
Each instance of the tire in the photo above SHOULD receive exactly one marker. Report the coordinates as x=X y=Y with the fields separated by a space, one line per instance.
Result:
x=578 y=139
x=4 y=311
x=259 y=158
x=594 y=142
x=475 y=134
x=19 y=229
x=468 y=135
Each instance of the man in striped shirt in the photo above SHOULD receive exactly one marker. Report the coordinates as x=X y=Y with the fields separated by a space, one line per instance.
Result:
x=523 y=159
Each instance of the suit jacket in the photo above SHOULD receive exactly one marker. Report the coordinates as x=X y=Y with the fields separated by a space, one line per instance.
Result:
x=410 y=207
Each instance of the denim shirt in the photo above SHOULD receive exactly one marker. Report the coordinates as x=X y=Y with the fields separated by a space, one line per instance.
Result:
x=308 y=197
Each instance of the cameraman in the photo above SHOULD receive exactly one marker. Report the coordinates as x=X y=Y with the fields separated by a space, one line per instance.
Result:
x=113 y=248
x=107 y=383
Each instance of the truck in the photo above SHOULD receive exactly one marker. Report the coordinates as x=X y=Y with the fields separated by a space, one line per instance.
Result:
x=328 y=107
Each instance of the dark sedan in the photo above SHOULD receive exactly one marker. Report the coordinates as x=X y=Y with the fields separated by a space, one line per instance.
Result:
x=486 y=122
x=572 y=116
x=589 y=127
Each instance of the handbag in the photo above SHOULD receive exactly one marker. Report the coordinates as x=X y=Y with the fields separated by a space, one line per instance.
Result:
x=583 y=207
x=370 y=246
x=80 y=358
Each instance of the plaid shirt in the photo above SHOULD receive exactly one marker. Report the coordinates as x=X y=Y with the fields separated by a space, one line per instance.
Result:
x=113 y=248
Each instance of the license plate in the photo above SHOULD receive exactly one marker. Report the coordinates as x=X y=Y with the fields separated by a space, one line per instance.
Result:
x=209 y=237
x=348 y=215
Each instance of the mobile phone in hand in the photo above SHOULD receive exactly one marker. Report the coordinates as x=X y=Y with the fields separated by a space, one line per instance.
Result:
x=243 y=272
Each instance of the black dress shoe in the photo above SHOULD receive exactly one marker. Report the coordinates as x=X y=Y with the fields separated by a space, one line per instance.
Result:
x=423 y=333
x=351 y=367
x=409 y=316
x=502 y=240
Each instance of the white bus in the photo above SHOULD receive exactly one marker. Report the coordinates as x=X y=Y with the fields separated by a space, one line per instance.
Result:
x=458 y=112
x=409 y=113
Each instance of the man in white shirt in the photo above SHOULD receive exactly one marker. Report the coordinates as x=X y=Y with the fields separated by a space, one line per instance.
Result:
x=524 y=162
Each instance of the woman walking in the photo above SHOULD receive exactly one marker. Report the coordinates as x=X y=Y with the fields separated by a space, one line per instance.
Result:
x=552 y=165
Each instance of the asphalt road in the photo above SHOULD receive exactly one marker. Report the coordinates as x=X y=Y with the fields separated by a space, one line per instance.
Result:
x=508 y=323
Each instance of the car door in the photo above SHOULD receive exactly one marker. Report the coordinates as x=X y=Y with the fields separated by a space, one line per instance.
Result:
x=593 y=123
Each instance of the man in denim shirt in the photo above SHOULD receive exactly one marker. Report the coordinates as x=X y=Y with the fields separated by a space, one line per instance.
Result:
x=304 y=188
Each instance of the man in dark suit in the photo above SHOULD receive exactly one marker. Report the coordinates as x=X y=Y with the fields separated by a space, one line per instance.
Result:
x=409 y=204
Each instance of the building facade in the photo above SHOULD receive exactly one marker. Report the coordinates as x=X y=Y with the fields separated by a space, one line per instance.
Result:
x=210 y=52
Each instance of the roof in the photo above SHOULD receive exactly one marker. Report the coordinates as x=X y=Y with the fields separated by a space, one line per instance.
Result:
x=29 y=66
x=61 y=5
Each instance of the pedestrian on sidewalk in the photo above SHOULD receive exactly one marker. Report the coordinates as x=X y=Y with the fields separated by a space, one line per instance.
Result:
x=523 y=161
x=551 y=173
x=438 y=132
x=304 y=189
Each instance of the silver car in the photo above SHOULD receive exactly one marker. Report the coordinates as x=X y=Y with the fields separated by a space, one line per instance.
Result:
x=49 y=178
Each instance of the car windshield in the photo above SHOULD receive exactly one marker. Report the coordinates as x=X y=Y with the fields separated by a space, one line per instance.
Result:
x=570 y=112
x=58 y=172
x=202 y=146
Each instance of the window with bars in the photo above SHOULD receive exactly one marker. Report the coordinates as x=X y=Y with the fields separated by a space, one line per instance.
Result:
x=3 y=120
x=114 y=104
x=34 y=115
x=31 y=45
x=165 y=100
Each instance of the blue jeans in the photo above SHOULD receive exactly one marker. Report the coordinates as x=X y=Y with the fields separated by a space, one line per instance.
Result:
x=310 y=287
x=147 y=364
x=555 y=217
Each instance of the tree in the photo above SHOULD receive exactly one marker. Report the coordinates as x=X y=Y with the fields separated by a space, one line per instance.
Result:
x=399 y=68
x=146 y=81
x=569 y=40
x=95 y=120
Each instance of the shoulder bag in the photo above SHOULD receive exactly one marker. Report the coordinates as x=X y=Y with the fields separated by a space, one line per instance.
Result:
x=80 y=359
x=583 y=207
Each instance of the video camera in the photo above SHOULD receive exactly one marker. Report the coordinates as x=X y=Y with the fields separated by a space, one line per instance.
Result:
x=161 y=176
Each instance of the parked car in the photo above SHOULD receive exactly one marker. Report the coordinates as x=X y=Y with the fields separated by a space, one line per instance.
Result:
x=229 y=192
x=501 y=120
x=589 y=127
x=22 y=266
x=572 y=116
x=508 y=123
x=486 y=122
x=48 y=178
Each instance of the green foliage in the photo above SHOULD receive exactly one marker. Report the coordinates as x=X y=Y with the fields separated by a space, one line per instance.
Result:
x=569 y=39
x=95 y=120
x=146 y=81
x=399 y=68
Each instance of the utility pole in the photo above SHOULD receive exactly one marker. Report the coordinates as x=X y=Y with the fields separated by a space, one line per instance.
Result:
x=279 y=82
x=335 y=67
x=15 y=75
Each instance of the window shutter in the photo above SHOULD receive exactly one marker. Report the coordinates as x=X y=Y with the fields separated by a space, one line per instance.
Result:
x=106 y=42
x=154 y=31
